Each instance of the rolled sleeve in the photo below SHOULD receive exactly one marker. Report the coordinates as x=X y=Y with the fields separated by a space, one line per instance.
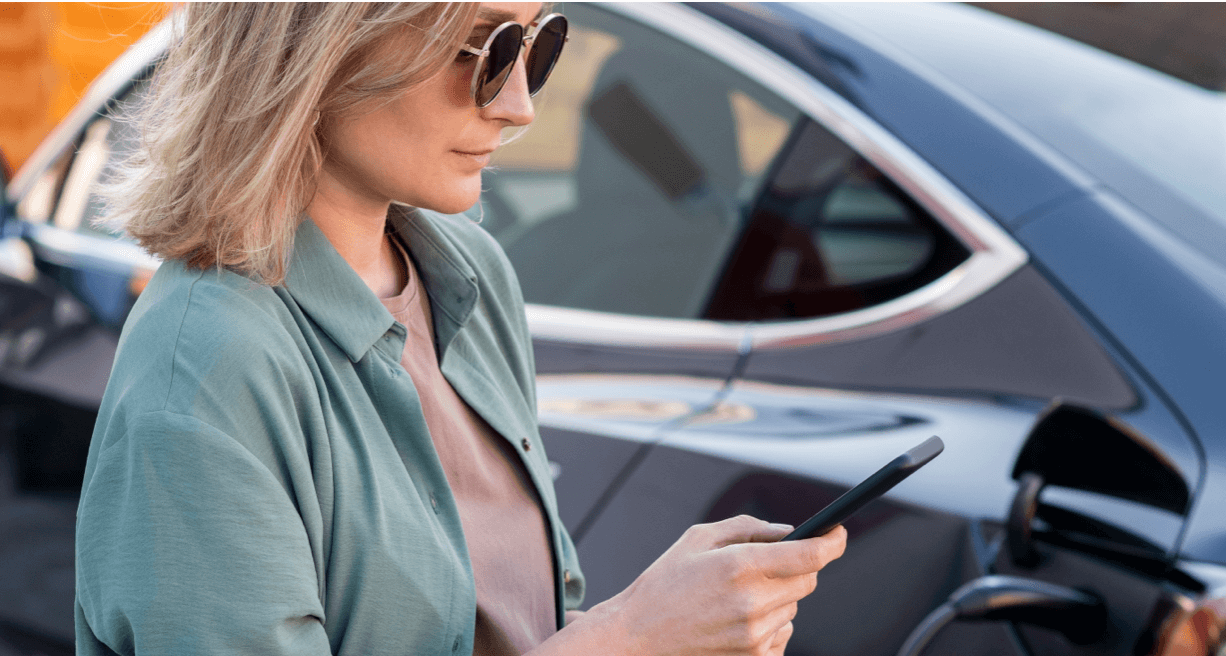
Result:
x=188 y=544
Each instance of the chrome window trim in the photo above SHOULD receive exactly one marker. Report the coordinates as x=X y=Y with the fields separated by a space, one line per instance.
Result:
x=994 y=255
x=561 y=324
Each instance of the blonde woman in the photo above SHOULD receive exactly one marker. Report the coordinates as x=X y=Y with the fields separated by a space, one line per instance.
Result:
x=319 y=435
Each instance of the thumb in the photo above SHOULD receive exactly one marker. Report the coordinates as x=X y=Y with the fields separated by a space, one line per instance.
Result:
x=744 y=528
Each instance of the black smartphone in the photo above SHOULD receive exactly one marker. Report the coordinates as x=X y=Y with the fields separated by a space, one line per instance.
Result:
x=870 y=488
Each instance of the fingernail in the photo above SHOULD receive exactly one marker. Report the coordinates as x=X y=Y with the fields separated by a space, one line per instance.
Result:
x=782 y=527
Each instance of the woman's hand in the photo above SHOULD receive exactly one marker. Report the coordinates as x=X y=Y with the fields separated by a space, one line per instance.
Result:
x=723 y=588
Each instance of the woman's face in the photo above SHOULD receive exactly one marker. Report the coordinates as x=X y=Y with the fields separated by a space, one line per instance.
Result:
x=427 y=147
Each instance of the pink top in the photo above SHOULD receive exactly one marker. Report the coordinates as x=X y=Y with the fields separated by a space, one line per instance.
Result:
x=503 y=523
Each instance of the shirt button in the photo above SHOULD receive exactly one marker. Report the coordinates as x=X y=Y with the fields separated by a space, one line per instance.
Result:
x=434 y=503
x=526 y=444
x=566 y=576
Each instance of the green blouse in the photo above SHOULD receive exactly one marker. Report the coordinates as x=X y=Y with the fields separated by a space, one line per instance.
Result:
x=261 y=479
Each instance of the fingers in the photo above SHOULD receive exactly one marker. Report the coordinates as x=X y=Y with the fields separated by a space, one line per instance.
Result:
x=781 y=597
x=774 y=533
x=779 y=630
x=787 y=559
x=735 y=530
x=780 y=642
x=730 y=585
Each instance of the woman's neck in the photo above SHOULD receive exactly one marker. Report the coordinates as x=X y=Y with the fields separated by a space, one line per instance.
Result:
x=356 y=228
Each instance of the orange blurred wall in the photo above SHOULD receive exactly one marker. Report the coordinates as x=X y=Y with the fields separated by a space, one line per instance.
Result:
x=50 y=52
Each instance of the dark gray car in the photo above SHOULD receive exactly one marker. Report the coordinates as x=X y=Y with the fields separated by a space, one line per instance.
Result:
x=766 y=249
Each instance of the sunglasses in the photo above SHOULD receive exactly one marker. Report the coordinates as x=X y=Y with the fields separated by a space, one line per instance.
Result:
x=501 y=50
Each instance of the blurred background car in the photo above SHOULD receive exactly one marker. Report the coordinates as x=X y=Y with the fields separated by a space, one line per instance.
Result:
x=766 y=249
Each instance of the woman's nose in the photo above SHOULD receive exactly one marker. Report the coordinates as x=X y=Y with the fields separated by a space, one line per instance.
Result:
x=513 y=103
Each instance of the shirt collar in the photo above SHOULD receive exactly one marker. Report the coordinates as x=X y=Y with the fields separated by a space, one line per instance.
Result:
x=332 y=294
x=445 y=271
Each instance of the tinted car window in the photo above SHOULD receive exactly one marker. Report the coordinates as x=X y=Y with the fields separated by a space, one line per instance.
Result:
x=108 y=140
x=38 y=203
x=643 y=189
x=91 y=159
x=830 y=234
x=633 y=185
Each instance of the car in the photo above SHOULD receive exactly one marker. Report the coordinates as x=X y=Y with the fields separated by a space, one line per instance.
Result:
x=766 y=248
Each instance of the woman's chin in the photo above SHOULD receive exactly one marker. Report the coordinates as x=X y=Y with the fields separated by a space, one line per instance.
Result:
x=455 y=200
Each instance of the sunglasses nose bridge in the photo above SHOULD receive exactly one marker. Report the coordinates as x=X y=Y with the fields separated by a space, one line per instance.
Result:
x=513 y=102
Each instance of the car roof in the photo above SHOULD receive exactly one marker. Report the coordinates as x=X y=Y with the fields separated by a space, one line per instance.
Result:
x=1155 y=140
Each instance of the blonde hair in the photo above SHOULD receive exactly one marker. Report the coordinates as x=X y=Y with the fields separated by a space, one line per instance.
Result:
x=230 y=148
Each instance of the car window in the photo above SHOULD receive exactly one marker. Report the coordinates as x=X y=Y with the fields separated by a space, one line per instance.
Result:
x=630 y=189
x=829 y=234
x=91 y=159
x=107 y=141
x=657 y=181
x=39 y=202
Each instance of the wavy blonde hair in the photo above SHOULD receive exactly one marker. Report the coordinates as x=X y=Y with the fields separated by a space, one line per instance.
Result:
x=230 y=149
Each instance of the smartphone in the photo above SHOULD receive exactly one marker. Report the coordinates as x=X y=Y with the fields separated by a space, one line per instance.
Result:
x=870 y=488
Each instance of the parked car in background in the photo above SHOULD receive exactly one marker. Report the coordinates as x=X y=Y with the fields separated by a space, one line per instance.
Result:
x=766 y=248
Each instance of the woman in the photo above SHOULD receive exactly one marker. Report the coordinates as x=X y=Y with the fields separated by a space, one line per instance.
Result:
x=319 y=433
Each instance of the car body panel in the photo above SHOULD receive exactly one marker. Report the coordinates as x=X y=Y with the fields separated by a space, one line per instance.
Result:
x=598 y=426
x=1151 y=282
x=780 y=452
x=1019 y=338
x=841 y=437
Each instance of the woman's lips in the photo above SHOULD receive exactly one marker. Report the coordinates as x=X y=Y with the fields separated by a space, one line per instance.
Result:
x=481 y=157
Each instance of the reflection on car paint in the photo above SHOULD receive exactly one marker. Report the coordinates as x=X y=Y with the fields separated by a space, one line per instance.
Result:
x=616 y=409
x=622 y=406
x=972 y=478
x=799 y=422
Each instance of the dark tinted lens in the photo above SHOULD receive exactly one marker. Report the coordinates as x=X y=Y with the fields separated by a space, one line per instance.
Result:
x=504 y=49
x=545 y=52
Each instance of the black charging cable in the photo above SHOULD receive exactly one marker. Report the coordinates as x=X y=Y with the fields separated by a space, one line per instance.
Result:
x=1079 y=615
